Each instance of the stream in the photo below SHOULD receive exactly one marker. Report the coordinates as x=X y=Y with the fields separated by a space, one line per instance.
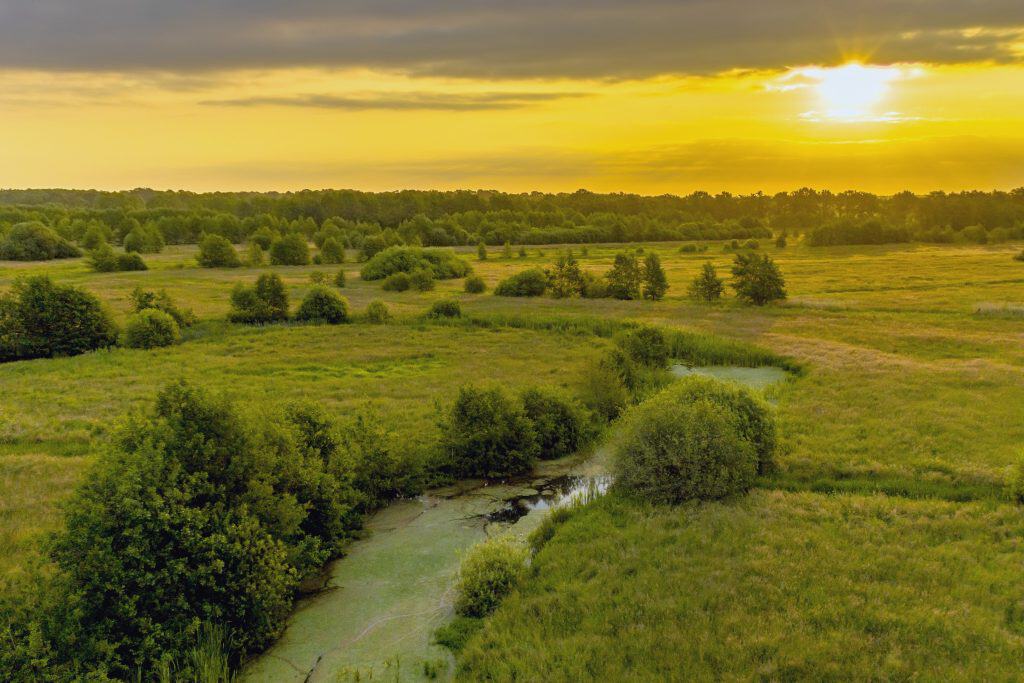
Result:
x=375 y=612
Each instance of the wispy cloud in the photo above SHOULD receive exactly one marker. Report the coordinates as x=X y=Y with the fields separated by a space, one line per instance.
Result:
x=402 y=101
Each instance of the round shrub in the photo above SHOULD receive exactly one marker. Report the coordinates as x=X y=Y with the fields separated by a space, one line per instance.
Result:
x=264 y=237
x=475 y=285
x=332 y=252
x=560 y=422
x=488 y=573
x=486 y=433
x=645 y=345
x=106 y=260
x=377 y=312
x=33 y=241
x=144 y=239
x=444 y=264
x=39 y=319
x=673 y=451
x=446 y=308
x=339 y=279
x=217 y=252
x=323 y=305
x=150 y=329
x=530 y=282
x=289 y=250
x=266 y=302
x=422 y=280
x=756 y=423
x=95 y=236
x=396 y=282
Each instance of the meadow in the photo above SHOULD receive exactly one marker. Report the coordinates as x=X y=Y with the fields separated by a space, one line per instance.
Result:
x=883 y=546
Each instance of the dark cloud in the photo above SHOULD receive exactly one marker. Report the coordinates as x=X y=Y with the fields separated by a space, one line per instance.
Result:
x=500 y=38
x=405 y=101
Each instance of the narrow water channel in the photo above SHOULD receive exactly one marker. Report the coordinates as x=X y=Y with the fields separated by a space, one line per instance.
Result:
x=378 y=607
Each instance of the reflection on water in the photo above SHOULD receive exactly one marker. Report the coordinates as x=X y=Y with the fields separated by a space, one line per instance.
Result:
x=554 y=493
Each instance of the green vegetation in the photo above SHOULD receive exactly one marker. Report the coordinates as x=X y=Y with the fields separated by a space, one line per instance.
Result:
x=560 y=423
x=265 y=302
x=446 y=308
x=757 y=279
x=289 y=250
x=150 y=329
x=531 y=282
x=144 y=239
x=486 y=432
x=377 y=312
x=103 y=259
x=488 y=573
x=707 y=286
x=40 y=319
x=217 y=252
x=33 y=241
x=474 y=284
x=331 y=252
x=444 y=265
x=323 y=305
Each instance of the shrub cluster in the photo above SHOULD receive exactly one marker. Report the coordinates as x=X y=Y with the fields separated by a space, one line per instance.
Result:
x=445 y=308
x=491 y=433
x=488 y=573
x=197 y=512
x=144 y=239
x=266 y=302
x=104 y=259
x=150 y=329
x=217 y=252
x=529 y=282
x=289 y=250
x=444 y=265
x=699 y=439
x=142 y=299
x=323 y=305
x=33 y=241
x=40 y=319
x=377 y=312
x=331 y=252
x=475 y=285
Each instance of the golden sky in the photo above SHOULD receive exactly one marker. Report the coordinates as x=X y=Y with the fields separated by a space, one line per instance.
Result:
x=371 y=99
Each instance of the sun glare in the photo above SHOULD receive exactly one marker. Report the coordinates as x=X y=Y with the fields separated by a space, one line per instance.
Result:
x=850 y=92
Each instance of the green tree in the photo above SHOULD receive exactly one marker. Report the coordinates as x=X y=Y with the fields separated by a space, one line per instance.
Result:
x=481 y=251
x=655 y=282
x=707 y=286
x=217 y=252
x=757 y=280
x=289 y=250
x=624 y=278
x=506 y=252
x=566 y=278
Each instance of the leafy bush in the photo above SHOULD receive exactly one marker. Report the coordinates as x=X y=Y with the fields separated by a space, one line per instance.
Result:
x=487 y=433
x=264 y=237
x=33 y=241
x=377 y=312
x=339 y=279
x=655 y=282
x=624 y=279
x=318 y=277
x=481 y=251
x=266 y=302
x=707 y=286
x=755 y=420
x=382 y=468
x=217 y=252
x=645 y=345
x=422 y=279
x=488 y=573
x=692 y=248
x=95 y=236
x=529 y=282
x=323 y=305
x=566 y=278
x=106 y=260
x=194 y=513
x=675 y=450
x=142 y=299
x=144 y=239
x=444 y=264
x=446 y=308
x=396 y=282
x=603 y=391
x=255 y=256
x=39 y=319
x=595 y=287
x=560 y=422
x=289 y=250
x=757 y=279
x=331 y=252
x=475 y=285
x=150 y=329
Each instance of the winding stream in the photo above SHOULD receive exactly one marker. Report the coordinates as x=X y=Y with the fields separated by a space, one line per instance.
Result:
x=376 y=612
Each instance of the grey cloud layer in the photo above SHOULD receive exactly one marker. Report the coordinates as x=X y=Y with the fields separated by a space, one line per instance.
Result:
x=407 y=101
x=499 y=38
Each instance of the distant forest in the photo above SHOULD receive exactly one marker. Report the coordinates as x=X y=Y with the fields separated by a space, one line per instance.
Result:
x=436 y=218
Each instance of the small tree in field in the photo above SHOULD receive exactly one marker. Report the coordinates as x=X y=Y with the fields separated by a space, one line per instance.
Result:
x=655 y=282
x=757 y=279
x=707 y=286
x=506 y=252
x=624 y=277
x=566 y=278
x=481 y=251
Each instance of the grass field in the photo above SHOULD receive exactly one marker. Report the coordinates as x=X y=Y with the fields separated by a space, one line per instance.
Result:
x=914 y=359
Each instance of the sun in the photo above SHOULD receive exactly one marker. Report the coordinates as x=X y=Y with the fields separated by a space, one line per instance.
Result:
x=850 y=92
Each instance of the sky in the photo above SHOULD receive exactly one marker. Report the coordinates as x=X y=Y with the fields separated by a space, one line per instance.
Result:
x=647 y=96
